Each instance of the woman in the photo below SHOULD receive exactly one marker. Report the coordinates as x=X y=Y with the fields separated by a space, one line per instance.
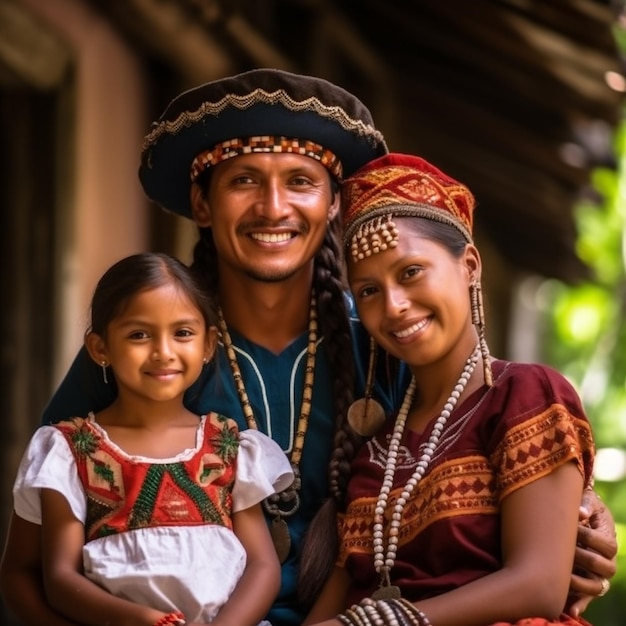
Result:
x=462 y=510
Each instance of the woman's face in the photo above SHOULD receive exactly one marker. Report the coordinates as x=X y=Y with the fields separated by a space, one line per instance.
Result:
x=414 y=299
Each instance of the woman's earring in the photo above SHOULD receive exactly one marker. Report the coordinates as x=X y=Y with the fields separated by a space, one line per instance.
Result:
x=478 y=319
x=104 y=372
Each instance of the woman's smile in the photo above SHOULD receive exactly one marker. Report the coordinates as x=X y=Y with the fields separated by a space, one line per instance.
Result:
x=412 y=329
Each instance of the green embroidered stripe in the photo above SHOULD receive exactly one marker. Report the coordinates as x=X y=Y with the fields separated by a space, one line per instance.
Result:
x=141 y=513
x=200 y=498
x=104 y=471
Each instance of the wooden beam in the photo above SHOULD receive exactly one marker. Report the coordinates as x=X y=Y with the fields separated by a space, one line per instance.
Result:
x=31 y=53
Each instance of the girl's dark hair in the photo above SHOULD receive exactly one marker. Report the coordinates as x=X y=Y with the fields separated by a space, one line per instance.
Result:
x=142 y=272
x=320 y=547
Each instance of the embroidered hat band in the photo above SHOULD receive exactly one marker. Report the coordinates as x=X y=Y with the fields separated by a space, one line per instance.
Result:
x=400 y=185
x=270 y=144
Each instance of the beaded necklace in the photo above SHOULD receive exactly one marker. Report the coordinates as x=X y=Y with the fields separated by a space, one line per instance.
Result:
x=287 y=502
x=384 y=562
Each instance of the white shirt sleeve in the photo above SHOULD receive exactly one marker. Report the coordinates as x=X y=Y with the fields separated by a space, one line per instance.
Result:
x=47 y=463
x=262 y=469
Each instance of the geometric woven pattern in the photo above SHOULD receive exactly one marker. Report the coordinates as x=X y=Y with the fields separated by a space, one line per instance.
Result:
x=474 y=484
x=405 y=185
x=498 y=440
x=125 y=492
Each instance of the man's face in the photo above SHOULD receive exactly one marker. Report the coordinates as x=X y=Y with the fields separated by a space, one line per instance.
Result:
x=268 y=213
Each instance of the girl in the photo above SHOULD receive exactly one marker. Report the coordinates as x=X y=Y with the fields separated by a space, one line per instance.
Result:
x=150 y=514
x=461 y=511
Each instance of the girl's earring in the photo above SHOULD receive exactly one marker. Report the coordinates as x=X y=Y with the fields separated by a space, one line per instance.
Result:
x=478 y=319
x=104 y=372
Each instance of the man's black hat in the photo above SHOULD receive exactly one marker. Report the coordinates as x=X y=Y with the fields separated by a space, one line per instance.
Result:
x=261 y=102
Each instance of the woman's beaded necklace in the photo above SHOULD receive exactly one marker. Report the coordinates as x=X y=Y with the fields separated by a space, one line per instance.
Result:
x=383 y=562
x=287 y=502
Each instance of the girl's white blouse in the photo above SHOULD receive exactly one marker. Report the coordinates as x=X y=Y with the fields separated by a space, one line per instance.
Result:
x=193 y=569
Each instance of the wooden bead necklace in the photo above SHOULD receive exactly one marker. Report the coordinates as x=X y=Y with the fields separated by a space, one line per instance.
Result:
x=384 y=562
x=287 y=502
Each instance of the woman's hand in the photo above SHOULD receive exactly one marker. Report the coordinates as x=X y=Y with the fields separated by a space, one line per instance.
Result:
x=595 y=559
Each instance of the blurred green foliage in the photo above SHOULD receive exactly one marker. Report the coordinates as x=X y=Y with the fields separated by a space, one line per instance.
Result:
x=586 y=339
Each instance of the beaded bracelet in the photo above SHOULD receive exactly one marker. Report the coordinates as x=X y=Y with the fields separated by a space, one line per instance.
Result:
x=171 y=619
x=392 y=612
x=412 y=609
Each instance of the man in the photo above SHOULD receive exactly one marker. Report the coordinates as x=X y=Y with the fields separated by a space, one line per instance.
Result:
x=255 y=160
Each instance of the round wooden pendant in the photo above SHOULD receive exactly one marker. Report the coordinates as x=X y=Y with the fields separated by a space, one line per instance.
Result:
x=366 y=416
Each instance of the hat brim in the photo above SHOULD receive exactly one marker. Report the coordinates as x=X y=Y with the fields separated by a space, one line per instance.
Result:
x=166 y=159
